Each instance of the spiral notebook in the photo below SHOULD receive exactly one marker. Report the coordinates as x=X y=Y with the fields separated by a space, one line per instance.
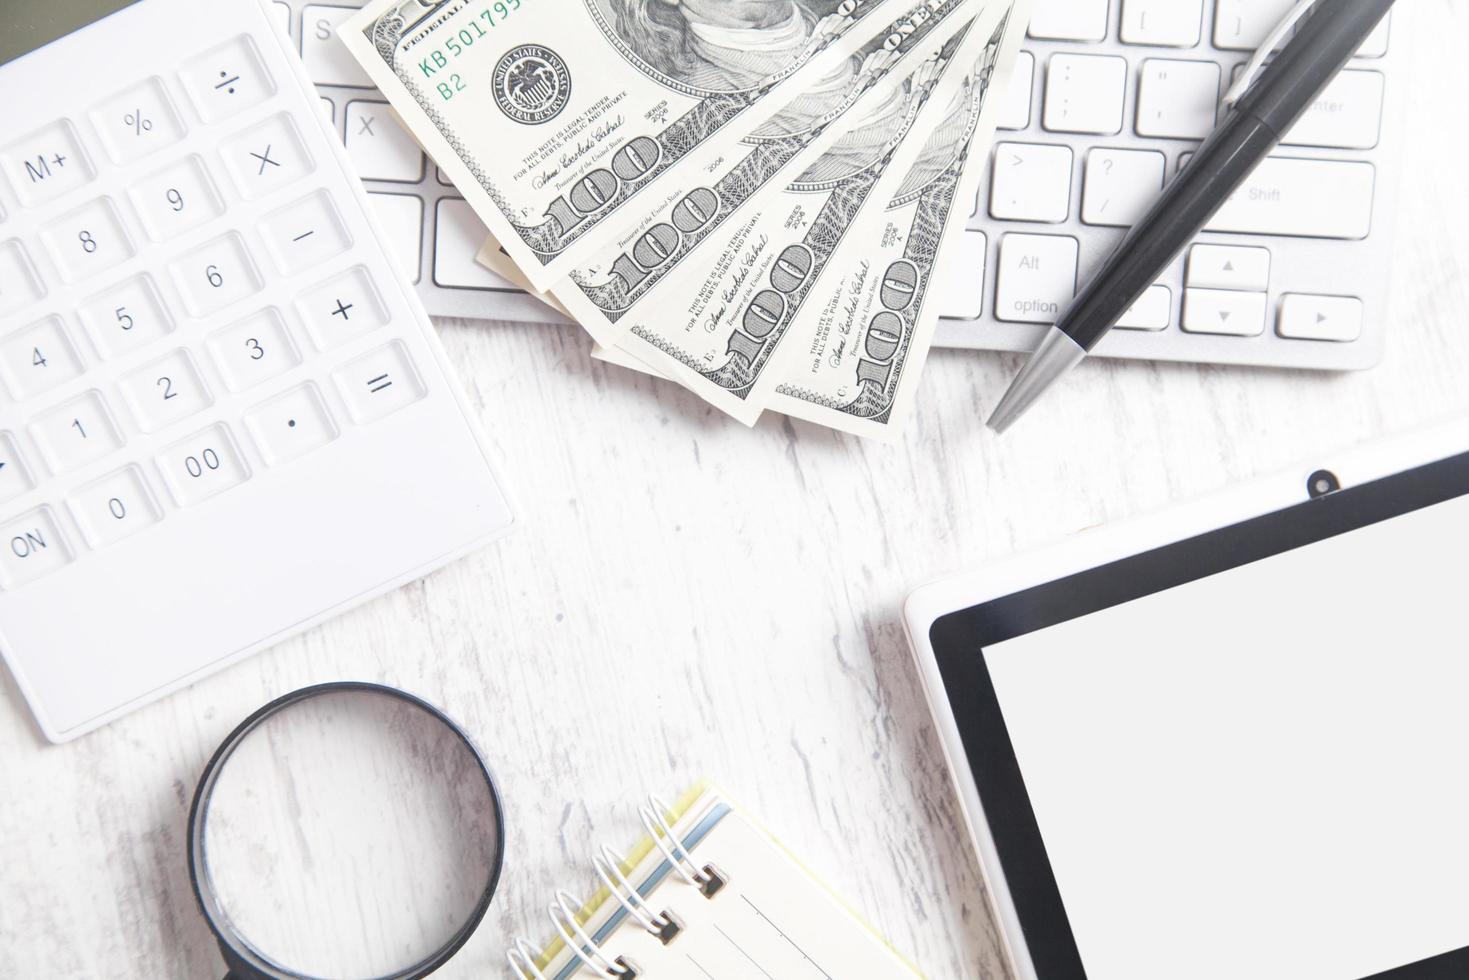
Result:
x=706 y=895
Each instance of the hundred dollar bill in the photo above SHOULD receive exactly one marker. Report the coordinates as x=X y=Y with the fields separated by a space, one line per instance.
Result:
x=629 y=270
x=553 y=116
x=494 y=258
x=736 y=305
x=855 y=356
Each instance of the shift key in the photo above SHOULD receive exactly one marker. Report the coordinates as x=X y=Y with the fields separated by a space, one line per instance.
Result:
x=1305 y=198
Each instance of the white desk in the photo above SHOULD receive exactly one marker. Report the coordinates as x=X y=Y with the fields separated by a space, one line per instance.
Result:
x=740 y=590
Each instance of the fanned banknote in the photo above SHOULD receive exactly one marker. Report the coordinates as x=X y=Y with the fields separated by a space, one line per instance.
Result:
x=738 y=302
x=855 y=356
x=553 y=116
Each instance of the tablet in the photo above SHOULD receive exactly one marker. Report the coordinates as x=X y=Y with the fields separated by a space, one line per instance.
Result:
x=1230 y=740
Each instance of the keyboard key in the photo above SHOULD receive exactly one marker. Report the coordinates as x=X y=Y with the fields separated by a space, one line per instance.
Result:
x=19 y=286
x=87 y=241
x=402 y=219
x=15 y=477
x=1085 y=93
x=203 y=465
x=254 y=350
x=1016 y=111
x=1306 y=317
x=341 y=309
x=1069 y=20
x=1376 y=44
x=46 y=164
x=379 y=383
x=457 y=240
x=1177 y=99
x=227 y=80
x=1307 y=198
x=1152 y=311
x=1243 y=25
x=329 y=109
x=1037 y=277
x=1229 y=267
x=282 y=13
x=291 y=425
x=439 y=176
x=115 y=507
x=1224 y=311
x=1173 y=23
x=75 y=434
x=268 y=157
x=31 y=546
x=305 y=233
x=961 y=278
x=1348 y=114
x=126 y=317
x=1121 y=185
x=1031 y=182
x=37 y=359
x=379 y=146
x=215 y=274
x=176 y=199
x=138 y=122
x=166 y=391
x=327 y=60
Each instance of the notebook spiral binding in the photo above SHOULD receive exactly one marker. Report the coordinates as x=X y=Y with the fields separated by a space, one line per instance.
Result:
x=608 y=864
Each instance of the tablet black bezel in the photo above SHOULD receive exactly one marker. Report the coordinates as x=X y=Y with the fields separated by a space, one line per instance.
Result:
x=959 y=639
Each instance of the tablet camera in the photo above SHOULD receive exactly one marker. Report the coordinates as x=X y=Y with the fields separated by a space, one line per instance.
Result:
x=1321 y=483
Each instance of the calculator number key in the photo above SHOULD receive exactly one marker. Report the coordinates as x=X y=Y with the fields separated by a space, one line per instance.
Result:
x=46 y=164
x=30 y=546
x=379 y=383
x=227 y=79
x=127 y=317
x=176 y=200
x=267 y=157
x=215 y=275
x=115 y=507
x=254 y=350
x=138 y=122
x=37 y=359
x=165 y=391
x=15 y=479
x=88 y=241
x=205 y=464
x=77 y=433
x=19 y=286
x=291 y=425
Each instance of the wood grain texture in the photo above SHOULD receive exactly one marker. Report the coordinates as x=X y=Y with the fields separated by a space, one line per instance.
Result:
x=688 y=598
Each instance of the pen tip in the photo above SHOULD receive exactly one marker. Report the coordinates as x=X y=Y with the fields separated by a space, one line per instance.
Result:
x=1056 y=355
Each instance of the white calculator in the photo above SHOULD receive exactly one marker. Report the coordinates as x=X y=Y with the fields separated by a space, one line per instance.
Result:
x=223 y=414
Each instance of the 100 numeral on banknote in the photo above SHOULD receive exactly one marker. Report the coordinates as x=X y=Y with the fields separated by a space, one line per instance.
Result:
x=552 y=116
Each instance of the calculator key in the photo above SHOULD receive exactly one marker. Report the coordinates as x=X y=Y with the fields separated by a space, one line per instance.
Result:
x=165 y=391
x=46 y=164
x=1229 y=267
x=458 y=236
x=215 y=274
x=341 y=309
x=1152 y=311
x=291 y=425
x=75 y=434
x=379 y=146
x=38 y=358
x=138 y=122
x=1085 y=93
x=328 y=61
x=1173 y=23
x=1016 y=112
x=1031 y=182
x=305 y=233
x=267 y=157
x=126 y=317
x=1120 y=185
x=254 y=350
x=205 y=464
x=19 y=286
x=1069 y=20
x=228 y=79
x=88 y=241
x=1177 y=99
x=15 y=478
x=1224 y=311
x=402 y=219
x=379 y=383
x=1306 y=317
x=31 y=546
x=114 y=507
x=176 y=200
x=961 y=283
x=1037 y=277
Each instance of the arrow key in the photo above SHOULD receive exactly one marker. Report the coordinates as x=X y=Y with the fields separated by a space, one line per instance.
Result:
x=1307 y=317
x=1229 y=267
x=1224 y=311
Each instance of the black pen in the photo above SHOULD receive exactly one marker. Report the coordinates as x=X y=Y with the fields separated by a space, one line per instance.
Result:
x=1326 y=38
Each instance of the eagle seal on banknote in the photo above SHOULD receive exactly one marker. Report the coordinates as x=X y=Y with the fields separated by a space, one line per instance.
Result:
x=532 y=84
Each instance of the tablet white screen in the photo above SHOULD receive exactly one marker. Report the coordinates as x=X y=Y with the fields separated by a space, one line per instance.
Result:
x=1263 y=773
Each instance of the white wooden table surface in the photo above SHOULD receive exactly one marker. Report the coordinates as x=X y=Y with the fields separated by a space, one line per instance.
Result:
x=689 y=598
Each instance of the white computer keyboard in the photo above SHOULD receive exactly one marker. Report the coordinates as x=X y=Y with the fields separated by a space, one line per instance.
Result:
x=1109 y=99
x=223 y=413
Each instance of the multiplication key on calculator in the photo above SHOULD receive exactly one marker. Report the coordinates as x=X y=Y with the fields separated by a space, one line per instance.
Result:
x=224 y=415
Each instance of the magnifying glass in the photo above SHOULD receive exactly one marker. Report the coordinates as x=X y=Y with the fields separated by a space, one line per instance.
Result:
x=347 y=831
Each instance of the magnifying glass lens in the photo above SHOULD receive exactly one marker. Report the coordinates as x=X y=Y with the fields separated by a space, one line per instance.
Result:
x=349 y=835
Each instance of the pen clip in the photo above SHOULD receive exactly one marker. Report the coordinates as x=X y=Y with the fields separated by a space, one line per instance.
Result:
x=1265 y=50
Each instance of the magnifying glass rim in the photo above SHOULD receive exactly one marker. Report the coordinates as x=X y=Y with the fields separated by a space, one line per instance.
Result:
x=235 y=946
